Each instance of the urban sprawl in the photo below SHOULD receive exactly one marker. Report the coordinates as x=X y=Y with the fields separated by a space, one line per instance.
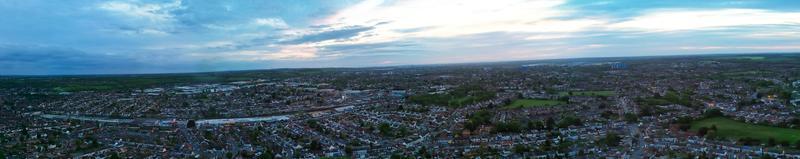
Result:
x=714 y=106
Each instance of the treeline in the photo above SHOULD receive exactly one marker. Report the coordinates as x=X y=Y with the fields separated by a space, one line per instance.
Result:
x=460 y=96
x=671 y=97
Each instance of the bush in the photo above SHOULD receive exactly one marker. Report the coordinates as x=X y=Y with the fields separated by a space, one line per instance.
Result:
x=710 y=113
x=508 y=127
x=702 y=131
x=520 y=148
x=611 y=140
x=631 y=118
x=478 y=118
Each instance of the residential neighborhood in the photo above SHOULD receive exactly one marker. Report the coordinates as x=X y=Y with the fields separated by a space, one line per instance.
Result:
x=656 y=107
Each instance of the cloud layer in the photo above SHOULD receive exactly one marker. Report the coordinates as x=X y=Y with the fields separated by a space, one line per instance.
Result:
x=143 y=36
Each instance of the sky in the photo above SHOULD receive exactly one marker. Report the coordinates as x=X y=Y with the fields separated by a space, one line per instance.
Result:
x=49 y=37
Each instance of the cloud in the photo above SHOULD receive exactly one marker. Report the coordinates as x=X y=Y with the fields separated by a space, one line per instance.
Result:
x=283 y=53
x=770 y=47
x=152 y=12
x=174 y=35
x=342 y=33
x=292 y=52
x=548 y=36
x=449 y=18
x=142 y=31
x=18 y=59
x=143 y=18
x=685 y=19
x=271 y=22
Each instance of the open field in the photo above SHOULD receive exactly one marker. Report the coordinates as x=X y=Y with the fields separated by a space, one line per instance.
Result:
x=525 y=103
x=729 y=128
x=588 y=93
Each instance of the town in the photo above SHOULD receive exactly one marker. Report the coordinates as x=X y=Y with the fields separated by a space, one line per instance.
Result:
x=701 y=106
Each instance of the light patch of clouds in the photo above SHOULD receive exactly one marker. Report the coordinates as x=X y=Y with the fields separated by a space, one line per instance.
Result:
x=143 y=31
x=288 y=53
x=152 y=12
x=770 y=47
x=271 y=22
x=773 y=35
x=549 y=36
x=685 y=19
x=143 y=18
x=456 y=18
x=293 y=52
x=386 y=62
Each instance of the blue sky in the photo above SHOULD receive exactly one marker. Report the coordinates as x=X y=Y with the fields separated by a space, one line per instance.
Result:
x=141 y=36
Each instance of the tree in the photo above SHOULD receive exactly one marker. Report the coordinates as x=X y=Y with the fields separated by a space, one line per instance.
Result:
x=397 y=156
x=771 y=142
x=114 y=155
x=550 y=123
x=423 y=151
x=385 y=129
x=535 y=125
x=520 y=148
x=710 y=113
x=78 y=143
x=191 y=124
x=348 y=150
x=749 y=141
x=402 y=131
x=266 y=155
x=785 y=143
x=702 y=131
x=507 y=127
x=714 y=127
x=546 y=146
x=611 y=140
x=646 y=110
x=315 y=145
x=569 y=120
x=631 y=118
x=797 y=145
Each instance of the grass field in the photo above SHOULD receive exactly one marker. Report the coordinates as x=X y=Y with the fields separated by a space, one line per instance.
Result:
x=588 y=93
x=526 y=103
x=729 y=128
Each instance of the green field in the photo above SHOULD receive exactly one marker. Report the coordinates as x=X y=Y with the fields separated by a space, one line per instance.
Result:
x=526 y=103
x=729 y=128
x=588 y=93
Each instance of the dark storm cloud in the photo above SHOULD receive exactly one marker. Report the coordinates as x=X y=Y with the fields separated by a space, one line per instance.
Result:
x=22 y=59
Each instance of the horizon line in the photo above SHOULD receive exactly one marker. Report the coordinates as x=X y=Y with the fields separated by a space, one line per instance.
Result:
x=388 y=66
